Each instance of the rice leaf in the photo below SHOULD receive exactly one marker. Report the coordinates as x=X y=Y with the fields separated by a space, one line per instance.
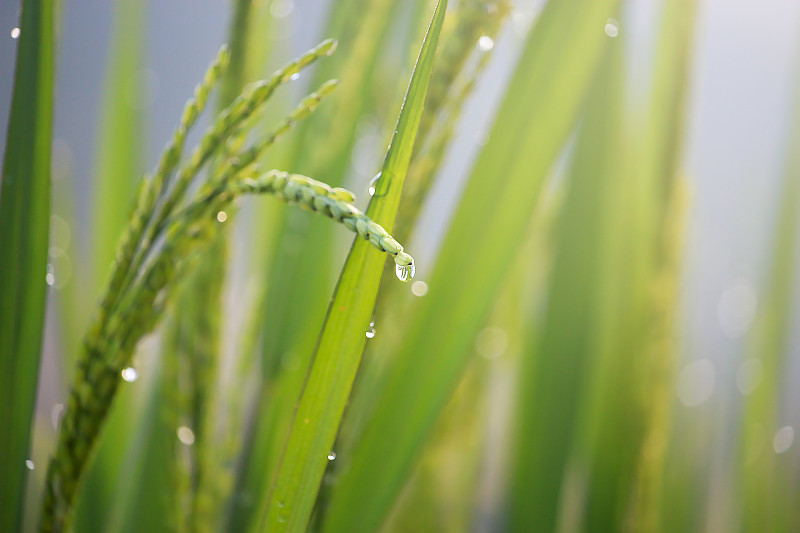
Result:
x=768 y=490
x=342 y=339
x=538 y=113
x=24 y=228
x=660 y=165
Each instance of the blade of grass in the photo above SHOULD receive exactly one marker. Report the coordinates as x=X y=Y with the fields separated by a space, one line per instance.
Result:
x=659 y=164
x=579 y=329
x=299 y=266
x=118 y=168
x=539 y=111
x=119 y=159
x=768 y=492
x=342 y=339
x=24 y=228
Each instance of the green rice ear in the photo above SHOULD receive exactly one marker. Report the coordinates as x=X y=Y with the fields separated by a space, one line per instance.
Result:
x=334 y=203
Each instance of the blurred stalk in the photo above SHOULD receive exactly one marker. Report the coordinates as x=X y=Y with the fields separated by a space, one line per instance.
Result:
x=24 y=230
x=660 y=162
x=195 y=336
x=148 y=494
x=119 y=159
x=657 y=388
x=439 y=495
x=769 y=488
x=451 y=84
x=580 y=331
x=118 y=168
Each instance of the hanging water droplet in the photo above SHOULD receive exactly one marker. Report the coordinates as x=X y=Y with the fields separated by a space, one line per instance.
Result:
x=29 y=464
x=374 y=182
x=129 y=374
x=295 y=76
x=485 y=43
x=14 y=33
x=371 y=331
x=50 y=279
x=332 y=455
x=185 y=435
x=222 y=216
x=404 y=273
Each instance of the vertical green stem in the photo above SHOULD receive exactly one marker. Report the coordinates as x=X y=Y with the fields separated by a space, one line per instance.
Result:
x=24 y=228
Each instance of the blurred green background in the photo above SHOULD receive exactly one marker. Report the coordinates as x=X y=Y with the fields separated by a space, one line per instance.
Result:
x=603 y=208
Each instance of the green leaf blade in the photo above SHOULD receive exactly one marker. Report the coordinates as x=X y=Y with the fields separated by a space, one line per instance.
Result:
x=557 y=64
x=342 y=340
x=24 y=229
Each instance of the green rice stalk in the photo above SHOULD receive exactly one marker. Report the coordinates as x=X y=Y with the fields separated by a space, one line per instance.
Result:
x=229 y=122
x=533 y=122
x=153 y=188
x=296 y=279
x=341 y=341
x=137 y=294
x=645 y=516
x=197 y=328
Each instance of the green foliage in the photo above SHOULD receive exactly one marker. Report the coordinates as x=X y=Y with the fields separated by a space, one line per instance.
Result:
x=24 y=229
x=144 y=272
x=526 y=382
x=342 y=339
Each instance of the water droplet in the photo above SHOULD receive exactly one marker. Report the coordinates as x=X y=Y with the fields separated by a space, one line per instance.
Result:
x=404 y=273
x=491 y=342
x=784 y=438
x=50 y=279
x=332 y=455
x=14 y=33
x=749 y=375
x=185 y=435
x=29 y=464
x=419 y=288
x=60 y=267
x=612 y=27
x=736 y=308
x=281 y=8
x=295 y=76
x=222 y=216
x=129 y=374
x=371 y=331
x=373 y=182
x=485 y=43
x=696 y=382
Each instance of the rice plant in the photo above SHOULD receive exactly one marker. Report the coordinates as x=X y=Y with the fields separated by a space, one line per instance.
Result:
x=223 y=359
